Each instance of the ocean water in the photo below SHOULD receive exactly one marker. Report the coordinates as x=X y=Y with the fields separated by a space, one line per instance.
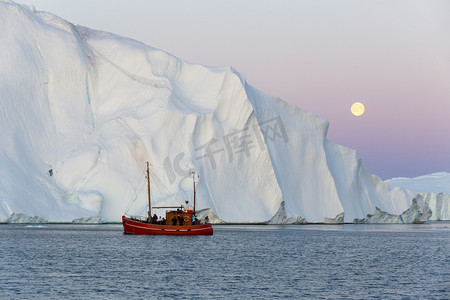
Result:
x=237 y=262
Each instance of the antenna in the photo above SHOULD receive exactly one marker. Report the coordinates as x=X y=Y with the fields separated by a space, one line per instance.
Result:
x=193 y=179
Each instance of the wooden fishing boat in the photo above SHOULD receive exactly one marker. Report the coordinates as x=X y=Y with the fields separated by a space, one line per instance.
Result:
x=179 y=220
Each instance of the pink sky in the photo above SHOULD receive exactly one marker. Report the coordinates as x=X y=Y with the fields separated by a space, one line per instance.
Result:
x=320 y=55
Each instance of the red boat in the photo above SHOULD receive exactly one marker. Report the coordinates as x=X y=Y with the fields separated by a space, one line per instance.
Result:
x=178 y=221
x=133 y=226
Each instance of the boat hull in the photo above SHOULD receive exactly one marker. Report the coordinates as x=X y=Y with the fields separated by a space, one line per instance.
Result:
x=138 y=227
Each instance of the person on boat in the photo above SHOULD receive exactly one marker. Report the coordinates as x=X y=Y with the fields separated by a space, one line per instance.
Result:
x=193 y=219
x=163 y=221
x=174 y=221
x=180 y=220
x=154 y=219
x=206 y=220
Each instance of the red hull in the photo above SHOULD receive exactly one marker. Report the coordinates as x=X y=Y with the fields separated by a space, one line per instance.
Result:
x=137 y=227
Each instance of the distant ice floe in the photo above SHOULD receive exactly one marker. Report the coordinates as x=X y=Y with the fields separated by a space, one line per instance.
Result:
x=23 y=218
x=418 y=213
x=20 y=218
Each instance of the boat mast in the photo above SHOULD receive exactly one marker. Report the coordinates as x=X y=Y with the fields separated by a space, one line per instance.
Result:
x=193 y=179
x=148 y=189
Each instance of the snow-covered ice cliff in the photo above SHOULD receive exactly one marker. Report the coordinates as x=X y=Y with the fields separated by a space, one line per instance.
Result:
x=82 y=110
x=430 y=183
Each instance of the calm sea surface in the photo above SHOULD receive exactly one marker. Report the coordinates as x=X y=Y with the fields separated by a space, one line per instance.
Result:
x=238 y=262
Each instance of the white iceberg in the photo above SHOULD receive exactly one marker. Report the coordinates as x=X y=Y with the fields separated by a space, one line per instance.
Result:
x=433 y=189
x=82 y=110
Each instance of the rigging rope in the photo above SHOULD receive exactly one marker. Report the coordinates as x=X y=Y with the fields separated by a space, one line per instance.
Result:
x=160 y=183
x=135 y=195
x=155 y=180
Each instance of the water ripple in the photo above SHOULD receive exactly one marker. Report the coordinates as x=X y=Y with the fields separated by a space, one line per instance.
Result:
x=238 y=262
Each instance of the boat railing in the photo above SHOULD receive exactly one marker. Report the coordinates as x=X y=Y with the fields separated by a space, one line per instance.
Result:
x=138 y=218
x=163 y=222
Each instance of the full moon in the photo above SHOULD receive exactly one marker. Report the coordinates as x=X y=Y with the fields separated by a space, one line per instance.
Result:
x=357 y=108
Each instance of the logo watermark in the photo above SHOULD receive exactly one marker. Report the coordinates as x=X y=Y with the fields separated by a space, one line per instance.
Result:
x=236 y=143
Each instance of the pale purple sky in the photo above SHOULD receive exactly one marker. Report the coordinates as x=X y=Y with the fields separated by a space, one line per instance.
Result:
x=321 y=55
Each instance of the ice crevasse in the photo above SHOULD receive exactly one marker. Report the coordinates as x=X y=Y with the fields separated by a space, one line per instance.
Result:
x=81 y=111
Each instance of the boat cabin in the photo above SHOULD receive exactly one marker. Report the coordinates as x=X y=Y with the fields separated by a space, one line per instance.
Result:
x=178 y=217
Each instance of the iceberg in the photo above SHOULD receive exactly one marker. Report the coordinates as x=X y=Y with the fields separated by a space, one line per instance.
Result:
x=82 y=110
x=418 y=213
x=433 y=189
x=431 y=183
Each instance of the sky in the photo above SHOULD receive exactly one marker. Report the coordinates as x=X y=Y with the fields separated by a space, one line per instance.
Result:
x=320 y=55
